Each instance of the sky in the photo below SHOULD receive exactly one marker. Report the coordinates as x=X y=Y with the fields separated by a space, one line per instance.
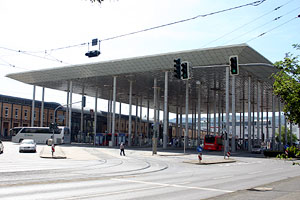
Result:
x=38 y=34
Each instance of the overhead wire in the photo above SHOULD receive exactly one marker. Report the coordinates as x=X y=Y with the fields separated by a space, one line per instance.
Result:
x=269 y=22
x=264 y=33
x=31 y=53
x=242 y=26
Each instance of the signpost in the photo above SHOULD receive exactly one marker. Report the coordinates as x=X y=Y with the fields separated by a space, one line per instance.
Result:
x=199 y=149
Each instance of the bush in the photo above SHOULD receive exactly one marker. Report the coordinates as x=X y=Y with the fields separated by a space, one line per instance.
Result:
x=270 y=153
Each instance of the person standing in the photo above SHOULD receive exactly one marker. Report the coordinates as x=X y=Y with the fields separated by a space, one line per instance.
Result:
x=122 y=149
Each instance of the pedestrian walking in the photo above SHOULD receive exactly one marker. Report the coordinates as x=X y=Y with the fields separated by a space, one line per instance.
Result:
x=122 y=149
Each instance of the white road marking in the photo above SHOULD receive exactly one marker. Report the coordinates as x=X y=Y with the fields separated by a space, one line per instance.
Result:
x=174 y=185
x=257 y=172
x=110 y=193
x=222 y=177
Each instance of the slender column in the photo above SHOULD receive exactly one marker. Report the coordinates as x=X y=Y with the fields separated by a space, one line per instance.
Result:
x=140 y=126
x=181 y=126
x=215 y=109
x=33 y=107
x=68 y=102
x=130 y=114
x=42 y=107
x=285 y=131
x=291 y=133
x=258 y=113
x=244 y=147
x=81 y=118
x=273 y=122
x=158 y=112
x=119 y=122
x=233 y=148
x=249 y=115
x=267 y=136
x=186 y=114
x=262 y=114
x=154 y=139
x=136 y=134
x=114 y=112
x=70 y=107
x=226 y=148
x=176 y=128
x=199 y=115
x=148 y=128
x=279 y=122
x=95 y=116
x=165 y=133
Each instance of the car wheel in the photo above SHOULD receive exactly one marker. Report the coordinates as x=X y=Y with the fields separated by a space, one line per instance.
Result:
x=20 y=151
x=20 y=140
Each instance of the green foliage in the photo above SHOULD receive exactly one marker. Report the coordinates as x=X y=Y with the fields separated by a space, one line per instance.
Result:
x=287 y=85
x=294 y=137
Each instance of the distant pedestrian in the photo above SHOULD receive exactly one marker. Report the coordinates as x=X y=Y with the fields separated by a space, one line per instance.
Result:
x=122 y=149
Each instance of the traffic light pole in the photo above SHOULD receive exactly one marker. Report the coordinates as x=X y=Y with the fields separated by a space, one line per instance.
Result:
x=186 y=115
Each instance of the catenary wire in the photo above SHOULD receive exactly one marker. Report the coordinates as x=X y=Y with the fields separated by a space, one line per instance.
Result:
x=275 y=19
x=264 y=33
x=226 y=34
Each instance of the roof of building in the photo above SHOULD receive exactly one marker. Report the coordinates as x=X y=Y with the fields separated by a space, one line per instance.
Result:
x=208 y=70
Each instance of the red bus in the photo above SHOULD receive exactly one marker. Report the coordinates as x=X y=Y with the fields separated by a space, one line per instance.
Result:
x=212 y=142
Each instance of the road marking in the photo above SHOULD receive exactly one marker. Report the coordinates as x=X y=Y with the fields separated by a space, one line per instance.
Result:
x=110 y=193
x=277 y=169
x=257 y=172
x=173 y=185
x=222 y=177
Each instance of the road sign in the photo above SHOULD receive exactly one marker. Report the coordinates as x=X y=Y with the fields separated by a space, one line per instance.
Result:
x=199 y=149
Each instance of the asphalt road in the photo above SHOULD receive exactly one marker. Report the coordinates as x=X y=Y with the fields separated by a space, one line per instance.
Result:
x=101 y=173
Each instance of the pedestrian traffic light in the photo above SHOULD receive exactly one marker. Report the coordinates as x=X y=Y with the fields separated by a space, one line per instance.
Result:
x=234 y=65
x=91 y=54
x=185 y=70
x=177 y=70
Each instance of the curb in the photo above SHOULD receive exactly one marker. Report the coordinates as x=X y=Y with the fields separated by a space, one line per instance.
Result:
x=210 y=162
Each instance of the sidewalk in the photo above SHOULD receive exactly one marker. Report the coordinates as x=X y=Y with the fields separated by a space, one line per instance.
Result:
x=47 y=153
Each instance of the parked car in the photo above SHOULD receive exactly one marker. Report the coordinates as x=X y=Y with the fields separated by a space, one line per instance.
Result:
x=256 y=149
x=1 y=147
x=27 y=145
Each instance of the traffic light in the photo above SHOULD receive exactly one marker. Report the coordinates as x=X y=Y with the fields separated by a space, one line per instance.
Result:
x=83 y=103
x=177 y=69
x=91 y=54
x=185 y=70
x=234 y=65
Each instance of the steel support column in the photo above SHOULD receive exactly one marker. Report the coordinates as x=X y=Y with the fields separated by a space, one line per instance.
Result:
x=154 y=137
x=199 y=115
x=114 y=112
x=95 y=116
x=186 y=115
x=233 y=148
x=33 y=107
x=165 y=133
x=81 y=117
x=226 y=148
x=273 y=122
x=249 y=115
x=70 y=107
x=42 y=107
x=130 y=114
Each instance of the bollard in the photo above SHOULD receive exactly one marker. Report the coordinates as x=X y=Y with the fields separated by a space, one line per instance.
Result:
x=200 y=157
x=228 y=154
x=52 y=149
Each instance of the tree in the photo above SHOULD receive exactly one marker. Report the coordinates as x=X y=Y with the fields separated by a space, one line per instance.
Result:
x=287 y=85
x=294 y=137
x=99 y=1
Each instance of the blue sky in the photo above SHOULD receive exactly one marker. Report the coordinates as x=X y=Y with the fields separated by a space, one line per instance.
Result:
x=37 y=26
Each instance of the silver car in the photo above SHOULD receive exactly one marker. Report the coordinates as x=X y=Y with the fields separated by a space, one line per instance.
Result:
x=1 y=147
x=27 y=145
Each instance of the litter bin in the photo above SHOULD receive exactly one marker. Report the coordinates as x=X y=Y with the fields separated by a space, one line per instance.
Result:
x=49 y=142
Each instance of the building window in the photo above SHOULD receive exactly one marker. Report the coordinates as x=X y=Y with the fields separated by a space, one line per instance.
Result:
x=51 y=117
x=16 y=113
x=25 y=114
x=6 y=111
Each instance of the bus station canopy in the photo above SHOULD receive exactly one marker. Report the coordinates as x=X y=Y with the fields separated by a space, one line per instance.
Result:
x=208 y=73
